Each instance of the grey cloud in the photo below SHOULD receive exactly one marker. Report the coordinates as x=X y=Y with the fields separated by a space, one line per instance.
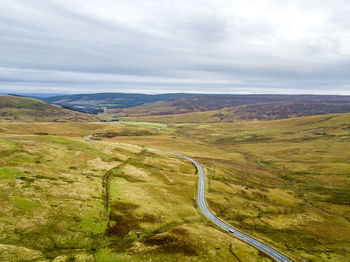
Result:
x=202 y=46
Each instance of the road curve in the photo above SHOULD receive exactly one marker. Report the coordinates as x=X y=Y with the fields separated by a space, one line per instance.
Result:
x=246 y=238
x=88 y=138
x=201 y=202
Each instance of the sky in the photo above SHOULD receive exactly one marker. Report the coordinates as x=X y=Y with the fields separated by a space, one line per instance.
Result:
x=161 y=46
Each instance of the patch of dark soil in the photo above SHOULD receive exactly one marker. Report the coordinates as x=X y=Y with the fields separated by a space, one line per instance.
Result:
x=172 y=244
x=126 y=132
x=160 y=240
x=122 y=225
x=149 y=218
x=124 y=207
x=180 y=231
x=126 y=220
x=184 y=247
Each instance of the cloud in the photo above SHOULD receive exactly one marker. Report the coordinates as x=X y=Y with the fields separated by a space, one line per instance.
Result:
x=265 y=46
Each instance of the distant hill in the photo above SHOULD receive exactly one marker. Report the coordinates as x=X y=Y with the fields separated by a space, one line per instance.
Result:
x=14 y=108
x=244 y=107
x=34 y=95
x=94 y=103
x=215 y=102
x=280 y=110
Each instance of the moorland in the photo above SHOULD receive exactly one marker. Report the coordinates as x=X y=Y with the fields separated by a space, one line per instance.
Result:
x=285 y=182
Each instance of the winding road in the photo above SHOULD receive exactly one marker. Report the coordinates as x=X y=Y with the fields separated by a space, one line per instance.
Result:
x=201 y=202
x=246 y=238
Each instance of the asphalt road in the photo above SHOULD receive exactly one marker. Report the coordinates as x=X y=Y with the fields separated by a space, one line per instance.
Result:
x=201 y=202
x=246 y=238
x=88 y=138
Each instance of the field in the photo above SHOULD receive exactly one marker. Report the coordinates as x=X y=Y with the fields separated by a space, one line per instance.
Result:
x=64 y=199
x=95 y=103
x=286 y=182
x=13 y=108
x=228 y=108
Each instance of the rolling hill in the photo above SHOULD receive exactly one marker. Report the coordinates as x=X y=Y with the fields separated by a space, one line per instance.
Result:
x=243 y=107
x=13 y=108
x=94 y=103
x=284 y=181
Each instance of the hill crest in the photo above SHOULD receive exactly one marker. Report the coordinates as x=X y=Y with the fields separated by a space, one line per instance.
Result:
x=243 y=107
x=15 y=108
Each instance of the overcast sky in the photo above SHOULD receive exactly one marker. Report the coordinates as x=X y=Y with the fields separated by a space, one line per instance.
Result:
x=157 y=46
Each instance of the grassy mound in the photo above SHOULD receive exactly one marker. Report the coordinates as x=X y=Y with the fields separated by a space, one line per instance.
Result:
x=13 y=108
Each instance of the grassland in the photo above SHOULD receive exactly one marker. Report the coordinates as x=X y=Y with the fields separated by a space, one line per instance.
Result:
x=153 y=217
x=50 y=188
x=143 y=124
x=99 y=102
x=286 y=182
x=228 y=108
x=14 y=108
x=64 y=199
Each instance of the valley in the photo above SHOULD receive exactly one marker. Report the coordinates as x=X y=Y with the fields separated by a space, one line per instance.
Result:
x=284 y=182
x=174 y=131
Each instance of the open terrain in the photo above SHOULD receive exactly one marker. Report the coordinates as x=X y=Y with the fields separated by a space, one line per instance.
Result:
x=285 y=182
x=13 y=108
x=64 y=199
x=228 y=108
x=95 y=103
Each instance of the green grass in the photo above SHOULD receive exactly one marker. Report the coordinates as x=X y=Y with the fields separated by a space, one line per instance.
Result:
x=10 y=172
x=23 y=202
x=25 y=109
x=77 y=146
x=152 y=210
x=21 y=158
x=58 y=207
x=9 y=145
x=285 y=182
x=91 y=226
x=57 y=202
x=106 y=255
x=143 y=124
x=306 y=159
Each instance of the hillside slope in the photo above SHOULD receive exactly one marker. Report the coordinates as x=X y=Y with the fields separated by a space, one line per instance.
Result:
x=244 y=107
x=273 y=111
x=94 y=103
x=63 y=199
x=284 y=181
x=14 y=108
